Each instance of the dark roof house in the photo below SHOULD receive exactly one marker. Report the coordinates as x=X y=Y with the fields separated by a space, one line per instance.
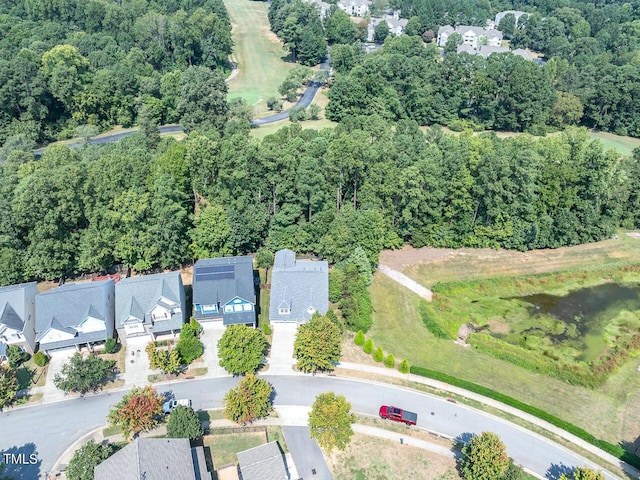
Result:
x=299 y=288
x=18 y=317
x=224 y=289
x=265 y=462
x=150 y=304
x=75 y=314
x=155 y=459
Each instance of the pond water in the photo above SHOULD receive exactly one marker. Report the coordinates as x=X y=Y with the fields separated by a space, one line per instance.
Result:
x=585 y=313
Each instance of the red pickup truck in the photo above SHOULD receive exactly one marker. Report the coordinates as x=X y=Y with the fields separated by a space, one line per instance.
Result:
x=398 y=415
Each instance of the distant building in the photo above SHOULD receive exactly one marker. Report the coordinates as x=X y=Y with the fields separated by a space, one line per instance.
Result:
x=224 y=289
x=155 y=459
x=265 y=462
x=150 y=305
x=396 y=24
x=18 y=317
x=299 y=288
x=486 y=50
x=323 y=7
x=471 y=36
x=75 y=314
x=499 y=16
x=354 y=8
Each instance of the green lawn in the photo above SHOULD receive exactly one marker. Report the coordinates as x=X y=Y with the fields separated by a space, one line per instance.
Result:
x=258 y=53
x=397 y=329
x=225 y=447
x=624 y=145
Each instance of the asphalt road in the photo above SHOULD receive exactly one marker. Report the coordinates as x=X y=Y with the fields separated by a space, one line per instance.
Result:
x=49 y=429
x=306 y=454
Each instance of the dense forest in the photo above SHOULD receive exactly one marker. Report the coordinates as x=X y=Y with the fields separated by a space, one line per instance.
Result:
x=360 y=184
x=591 y=73
x=66 y=63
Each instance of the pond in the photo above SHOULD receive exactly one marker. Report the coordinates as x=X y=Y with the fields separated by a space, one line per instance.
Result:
x=580 y=320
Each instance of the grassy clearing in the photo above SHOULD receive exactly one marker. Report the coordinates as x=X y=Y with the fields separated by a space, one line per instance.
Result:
x=272 y=128
x=396 y=313
x=369 y=458
x=624 y=145
x=225 y=447
x=30 y=375
x=258 y=53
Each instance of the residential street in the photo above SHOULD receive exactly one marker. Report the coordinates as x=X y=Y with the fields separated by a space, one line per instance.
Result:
x=49 y=429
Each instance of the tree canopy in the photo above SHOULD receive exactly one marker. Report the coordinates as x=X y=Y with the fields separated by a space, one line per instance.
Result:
x=317 y=345
x=86 y=458
x=139 y=410
x=84 y=374
x=250 y=400
x=241 y=349
x=330 y=421
x=184 y=423
x=485 y=458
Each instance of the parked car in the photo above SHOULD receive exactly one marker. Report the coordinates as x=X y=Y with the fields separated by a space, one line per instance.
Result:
x=171 y=404
x=398 y=415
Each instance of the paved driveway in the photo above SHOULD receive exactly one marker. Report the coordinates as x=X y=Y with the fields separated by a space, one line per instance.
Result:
x=211 y=334
x=281 y=360
x=137 y=368
x=306 y=454
x=57 y=359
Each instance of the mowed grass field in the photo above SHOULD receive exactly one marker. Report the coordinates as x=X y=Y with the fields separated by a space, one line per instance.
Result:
x=609 y=412
x=258 y=53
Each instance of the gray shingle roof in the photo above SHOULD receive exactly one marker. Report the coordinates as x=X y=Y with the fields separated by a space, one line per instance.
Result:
x=154 y=459
x=14 y=297
x=137 y=296
x=300 y=285
x=263 y=463
x=221 y=285
x=65 y=307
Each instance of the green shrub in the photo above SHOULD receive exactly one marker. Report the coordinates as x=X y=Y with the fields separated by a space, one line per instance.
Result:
x=368 y=347
x=378 y=356
x=40 y=359
x=404 y=366
x=266 y=329
x=390 y=361
x=110 y=345
x=615 y=450
x=359 y=340
x=16 y=356
x=431 y=323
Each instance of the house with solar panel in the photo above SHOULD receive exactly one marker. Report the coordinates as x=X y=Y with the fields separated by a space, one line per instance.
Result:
x=18 y=317
x=299 y=288
x=224 y=290
x=75 y=315
x=150 y=305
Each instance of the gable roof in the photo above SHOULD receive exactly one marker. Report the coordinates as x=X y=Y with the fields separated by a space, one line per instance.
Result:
x=222 y=279
x=137 y=296
x=302 y=285
x=65 y=307
x=154 y=459
x=263 y=463
x=13 y=300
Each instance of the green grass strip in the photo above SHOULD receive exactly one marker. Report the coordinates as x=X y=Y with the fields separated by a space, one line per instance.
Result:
x=615 y=450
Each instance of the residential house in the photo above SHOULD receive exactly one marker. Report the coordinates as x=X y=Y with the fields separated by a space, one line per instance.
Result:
x=299 y=288
x=150 y=305
x=486 y=50
x=354 y=8
x=396 y=24
x=499 y=16
x=155 y=459
x=471 y=36
x=323 y=7
x=224 y=289
x=265 y=462
x=75 y=314
x=18 y=317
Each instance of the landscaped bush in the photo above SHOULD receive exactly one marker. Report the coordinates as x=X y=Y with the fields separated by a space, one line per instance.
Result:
x=390 y=361
x=404 y=366
x=359 y=340
x=378 y=356
x=368 y=347
x=615 y=450
x=40 y=359
x=266 y=329
x=189 y=346
x=110 y=345
x=431 y=323
x=16 y=356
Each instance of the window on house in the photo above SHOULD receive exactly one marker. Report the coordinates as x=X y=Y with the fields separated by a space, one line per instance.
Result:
x=284 y=311
x=247 y=307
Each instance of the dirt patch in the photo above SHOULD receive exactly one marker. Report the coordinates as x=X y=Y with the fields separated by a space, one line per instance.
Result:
x=635 y=235
x=354 y=354
x=375 y=458
x=498 y=326
x=266 y=32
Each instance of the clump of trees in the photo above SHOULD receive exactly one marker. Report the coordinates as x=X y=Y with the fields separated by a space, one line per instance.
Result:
x=84 y=374
x=298 y=25
x=241 y=349
x=318 y=345
x=139 y=410
x=250 y=400
x=16 y=356
x=184 y=423
x=86 y=458
x=166 y=360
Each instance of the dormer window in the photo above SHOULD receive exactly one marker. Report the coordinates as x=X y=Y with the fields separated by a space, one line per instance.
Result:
x=284 y=311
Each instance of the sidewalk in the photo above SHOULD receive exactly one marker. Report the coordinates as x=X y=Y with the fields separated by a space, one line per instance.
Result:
x=495 y=404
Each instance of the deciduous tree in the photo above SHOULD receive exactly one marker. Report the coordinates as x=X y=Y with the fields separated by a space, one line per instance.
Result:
x=583 y=473
x=184 y=423
x=485 y=458
x=8 y=385
x=84 y=374
x=330 y=421
x=138 y=411
x=317 y=345
x=249 y=401
x=241 y=349
x=86 y=458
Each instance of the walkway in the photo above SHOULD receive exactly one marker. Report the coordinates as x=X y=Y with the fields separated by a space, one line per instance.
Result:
x=402 y=279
